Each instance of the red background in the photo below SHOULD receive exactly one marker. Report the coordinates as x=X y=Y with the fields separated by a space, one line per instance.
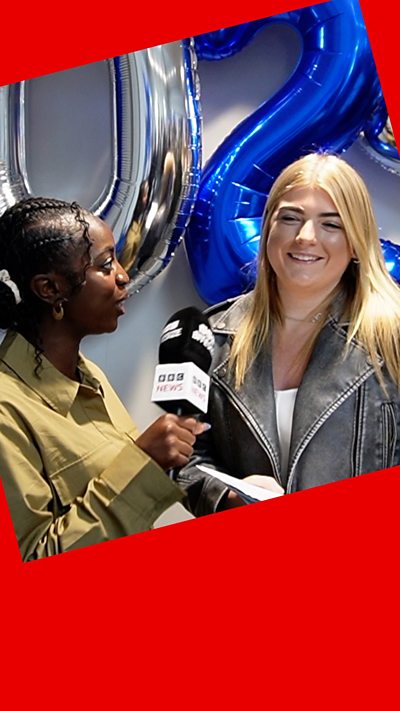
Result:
x=288 y=604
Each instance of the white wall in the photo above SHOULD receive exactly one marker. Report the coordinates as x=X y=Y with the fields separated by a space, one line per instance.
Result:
x=68 y=145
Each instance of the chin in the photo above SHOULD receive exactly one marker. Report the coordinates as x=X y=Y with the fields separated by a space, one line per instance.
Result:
x=112 y=328
x=105 y=328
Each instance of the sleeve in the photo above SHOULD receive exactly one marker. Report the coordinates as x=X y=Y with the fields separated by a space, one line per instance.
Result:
x=126 y=498
x=205 y=494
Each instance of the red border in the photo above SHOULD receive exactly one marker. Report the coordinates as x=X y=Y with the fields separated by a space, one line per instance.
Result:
x=41 y=41
x=280 y=605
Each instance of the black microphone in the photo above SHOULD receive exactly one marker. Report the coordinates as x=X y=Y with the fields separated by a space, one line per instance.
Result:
x=181 y=381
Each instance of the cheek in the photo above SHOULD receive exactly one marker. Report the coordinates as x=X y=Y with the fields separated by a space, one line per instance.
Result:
x=103 y=287
x=276 y=249
x=272 y=247
x=341 y=251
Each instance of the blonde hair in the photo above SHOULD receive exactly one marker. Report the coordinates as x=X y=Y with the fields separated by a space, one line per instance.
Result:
x=372 y=297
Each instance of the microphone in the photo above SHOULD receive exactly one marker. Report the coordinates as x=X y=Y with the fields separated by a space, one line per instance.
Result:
x=181 y=382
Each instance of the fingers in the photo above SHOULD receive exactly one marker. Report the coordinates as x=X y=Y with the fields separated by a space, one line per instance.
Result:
x=266 y=482
x=180 y=436
x=190 y=423
x=188 y=427
x=170 y=439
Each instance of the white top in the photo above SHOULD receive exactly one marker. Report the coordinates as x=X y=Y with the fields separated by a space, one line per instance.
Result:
x=284 y=406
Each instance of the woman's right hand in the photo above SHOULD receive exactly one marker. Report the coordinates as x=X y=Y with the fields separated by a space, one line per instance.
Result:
x=233 y=499
x=266 y=482
x=170 y=439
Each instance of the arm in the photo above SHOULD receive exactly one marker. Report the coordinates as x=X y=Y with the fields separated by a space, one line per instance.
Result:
x=127 y=497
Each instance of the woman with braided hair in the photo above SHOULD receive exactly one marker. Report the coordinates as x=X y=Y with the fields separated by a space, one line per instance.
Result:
x=74 y=468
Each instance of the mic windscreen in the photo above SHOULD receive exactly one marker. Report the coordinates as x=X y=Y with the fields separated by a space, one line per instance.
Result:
x=187 y=337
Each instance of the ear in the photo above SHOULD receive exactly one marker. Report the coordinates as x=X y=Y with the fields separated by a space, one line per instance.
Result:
x=49 y=287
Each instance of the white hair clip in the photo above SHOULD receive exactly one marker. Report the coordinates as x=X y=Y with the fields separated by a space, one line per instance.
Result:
x=6 y=279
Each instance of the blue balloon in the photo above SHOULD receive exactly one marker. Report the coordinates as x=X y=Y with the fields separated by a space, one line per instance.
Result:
x=391 y=255
x=330 y=96
x=226 y=42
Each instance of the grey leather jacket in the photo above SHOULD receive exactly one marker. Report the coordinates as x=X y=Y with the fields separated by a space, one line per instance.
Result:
x=344 y=424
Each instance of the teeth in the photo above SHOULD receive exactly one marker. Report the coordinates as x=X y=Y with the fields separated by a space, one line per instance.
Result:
x=304 y=257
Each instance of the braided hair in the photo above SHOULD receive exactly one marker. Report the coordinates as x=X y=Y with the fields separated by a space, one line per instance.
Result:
x=38 y=235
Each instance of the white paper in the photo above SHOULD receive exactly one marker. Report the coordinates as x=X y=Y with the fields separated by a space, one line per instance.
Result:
x=250 y=493
x=174 y=514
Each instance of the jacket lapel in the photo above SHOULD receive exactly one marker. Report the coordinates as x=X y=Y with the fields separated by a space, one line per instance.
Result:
x=327 y=382
x=255 y=399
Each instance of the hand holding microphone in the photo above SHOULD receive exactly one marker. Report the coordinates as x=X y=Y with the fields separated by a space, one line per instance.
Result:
x=181 y=386
x=181 y=383
x=170 y=439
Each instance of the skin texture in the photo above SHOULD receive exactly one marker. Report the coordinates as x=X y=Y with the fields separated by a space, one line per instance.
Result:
x=97 y=306
x=92 y=309
x=307 y=246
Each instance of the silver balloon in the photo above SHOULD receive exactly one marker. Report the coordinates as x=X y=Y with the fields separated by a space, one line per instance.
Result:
x=13 y=179
x=156 y=154
x=378 y=141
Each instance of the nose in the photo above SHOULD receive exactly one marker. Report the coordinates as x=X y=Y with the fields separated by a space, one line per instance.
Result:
x=121 y=277
x=307 y=233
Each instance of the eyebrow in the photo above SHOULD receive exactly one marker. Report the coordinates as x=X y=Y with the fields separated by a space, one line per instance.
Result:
x=106 y=250
x=300 y=210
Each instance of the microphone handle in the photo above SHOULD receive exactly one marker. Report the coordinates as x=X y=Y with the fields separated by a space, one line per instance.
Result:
x=173 y=473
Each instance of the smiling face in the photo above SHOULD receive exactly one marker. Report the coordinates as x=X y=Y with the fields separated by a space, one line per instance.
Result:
x=96 y=307
x=307 y=246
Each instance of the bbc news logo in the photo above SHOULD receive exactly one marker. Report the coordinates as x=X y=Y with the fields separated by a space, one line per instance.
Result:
x=199 y=384
x=179 y=377
x=170 y=377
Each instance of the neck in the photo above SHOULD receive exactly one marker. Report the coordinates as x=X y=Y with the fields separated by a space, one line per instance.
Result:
x=302 y=308
x=311 y=318
x=60 y=348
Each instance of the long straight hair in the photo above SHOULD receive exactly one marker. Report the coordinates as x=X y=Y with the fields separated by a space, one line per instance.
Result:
x=372 y=299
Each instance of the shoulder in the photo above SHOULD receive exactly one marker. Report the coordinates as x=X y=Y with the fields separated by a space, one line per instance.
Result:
x=17 y=400
x=226 y=316
x=12 y=388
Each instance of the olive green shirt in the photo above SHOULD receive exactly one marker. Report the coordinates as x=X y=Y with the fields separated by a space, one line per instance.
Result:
x=72 y=473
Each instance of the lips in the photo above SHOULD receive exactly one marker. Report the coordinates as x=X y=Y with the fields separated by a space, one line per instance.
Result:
x=304 y=258
x=120 y=303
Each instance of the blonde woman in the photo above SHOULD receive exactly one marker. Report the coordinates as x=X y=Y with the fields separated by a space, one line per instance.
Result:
x=305 y=381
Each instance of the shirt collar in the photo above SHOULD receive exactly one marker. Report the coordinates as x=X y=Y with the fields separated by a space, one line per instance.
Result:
x=51 y=385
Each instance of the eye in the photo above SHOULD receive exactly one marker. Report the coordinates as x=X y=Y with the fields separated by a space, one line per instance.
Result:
x=108 y=265
x=329 y=225
x=289 y=218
